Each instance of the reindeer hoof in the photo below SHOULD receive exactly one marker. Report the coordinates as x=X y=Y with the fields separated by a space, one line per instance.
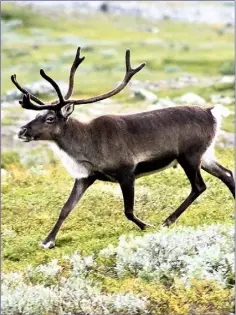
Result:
x=147 y=226
x=49 y=244
x=167 y=222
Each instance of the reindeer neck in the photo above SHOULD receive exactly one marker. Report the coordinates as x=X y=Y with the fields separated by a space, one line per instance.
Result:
x=73 y=137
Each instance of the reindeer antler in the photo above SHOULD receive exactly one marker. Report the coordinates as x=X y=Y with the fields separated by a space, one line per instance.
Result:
x=76 y=63
x=129 y=74
x=34 y=98
x=74 y=66
x=26 y=103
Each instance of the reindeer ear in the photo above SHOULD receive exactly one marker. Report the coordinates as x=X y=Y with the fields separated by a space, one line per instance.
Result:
x=67 y=110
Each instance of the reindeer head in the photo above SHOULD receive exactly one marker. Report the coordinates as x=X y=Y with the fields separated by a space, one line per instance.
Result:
x=53 y=117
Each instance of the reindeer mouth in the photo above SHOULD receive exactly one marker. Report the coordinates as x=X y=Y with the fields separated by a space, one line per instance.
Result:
x=23 y=136
x=26 y=139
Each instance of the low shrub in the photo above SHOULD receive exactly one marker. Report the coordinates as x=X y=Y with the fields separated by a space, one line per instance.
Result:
x=23 y=293
x=227 y=68
x=174 y=271
x=182 y=252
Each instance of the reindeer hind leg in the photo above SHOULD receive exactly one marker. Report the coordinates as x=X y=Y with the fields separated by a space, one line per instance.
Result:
x=192 y=170
x=214 y=168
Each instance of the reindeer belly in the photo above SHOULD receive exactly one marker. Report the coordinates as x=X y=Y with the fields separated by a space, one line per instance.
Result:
x=153 y=166
x=76 y=169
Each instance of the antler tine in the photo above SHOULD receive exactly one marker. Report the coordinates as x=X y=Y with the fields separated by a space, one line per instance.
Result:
x=127 y=60
x=129 y=74
x=27 y=104
x=74 y=66
x=129 y=71
x=34 y=98
x=55 y=85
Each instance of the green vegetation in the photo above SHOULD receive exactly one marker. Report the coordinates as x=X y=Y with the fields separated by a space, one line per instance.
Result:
x=38 y=44
x=202 y=296
x=227 y=68
x=32 y=194
x=9 y=158
x=167 y=47
x=31 y=201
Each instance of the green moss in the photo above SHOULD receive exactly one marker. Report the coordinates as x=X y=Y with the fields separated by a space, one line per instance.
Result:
x=31 y=200
x=157 y=50
x=9 y=158
x=7 y=121
x=29 y=18
x=202 y=297
x=31 y=203
x=221 y=87
x=228 y=124
x=227 y=68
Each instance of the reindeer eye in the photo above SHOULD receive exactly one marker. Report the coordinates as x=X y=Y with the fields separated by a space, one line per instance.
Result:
x=50 y=119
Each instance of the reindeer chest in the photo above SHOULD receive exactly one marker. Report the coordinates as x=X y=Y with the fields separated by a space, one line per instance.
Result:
x=76 y=169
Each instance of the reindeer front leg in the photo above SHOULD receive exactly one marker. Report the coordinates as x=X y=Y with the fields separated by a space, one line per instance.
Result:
x=127 y=186
x=80 y=186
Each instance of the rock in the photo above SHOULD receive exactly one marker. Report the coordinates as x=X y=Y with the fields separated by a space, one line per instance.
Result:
x=71 y=53
x=166 y=17
x=171 y=69
x=11 y=24
x=153 y=11
x=154 y=30
x=222 y=110
x=88 y=48
x=221 y=31
x=109 y=52
x=221 y=99
x=229 y=25
x=3 y=172
x=35 y=46
x=225 y=139
x=149 y=29
x=227 y=79
x=180 y=82
x=188 y=79
x=164 y=103
x=152 y=41
x=104 y=7
x=8 y=232
x=4 y=175
x=70 y=39
x=35 y=88
x=143 y=94
x=190 y=98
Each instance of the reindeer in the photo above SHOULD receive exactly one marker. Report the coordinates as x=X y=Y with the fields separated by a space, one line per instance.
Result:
x=121 y=148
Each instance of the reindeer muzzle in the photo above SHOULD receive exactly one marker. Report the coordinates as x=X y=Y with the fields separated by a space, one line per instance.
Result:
x=24 y=136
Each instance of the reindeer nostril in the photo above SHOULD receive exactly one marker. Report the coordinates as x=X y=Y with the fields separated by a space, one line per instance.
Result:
x=22 y=132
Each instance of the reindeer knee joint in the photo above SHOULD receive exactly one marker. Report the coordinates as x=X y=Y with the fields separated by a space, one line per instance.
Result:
x=201 y=188
x=129 y=215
